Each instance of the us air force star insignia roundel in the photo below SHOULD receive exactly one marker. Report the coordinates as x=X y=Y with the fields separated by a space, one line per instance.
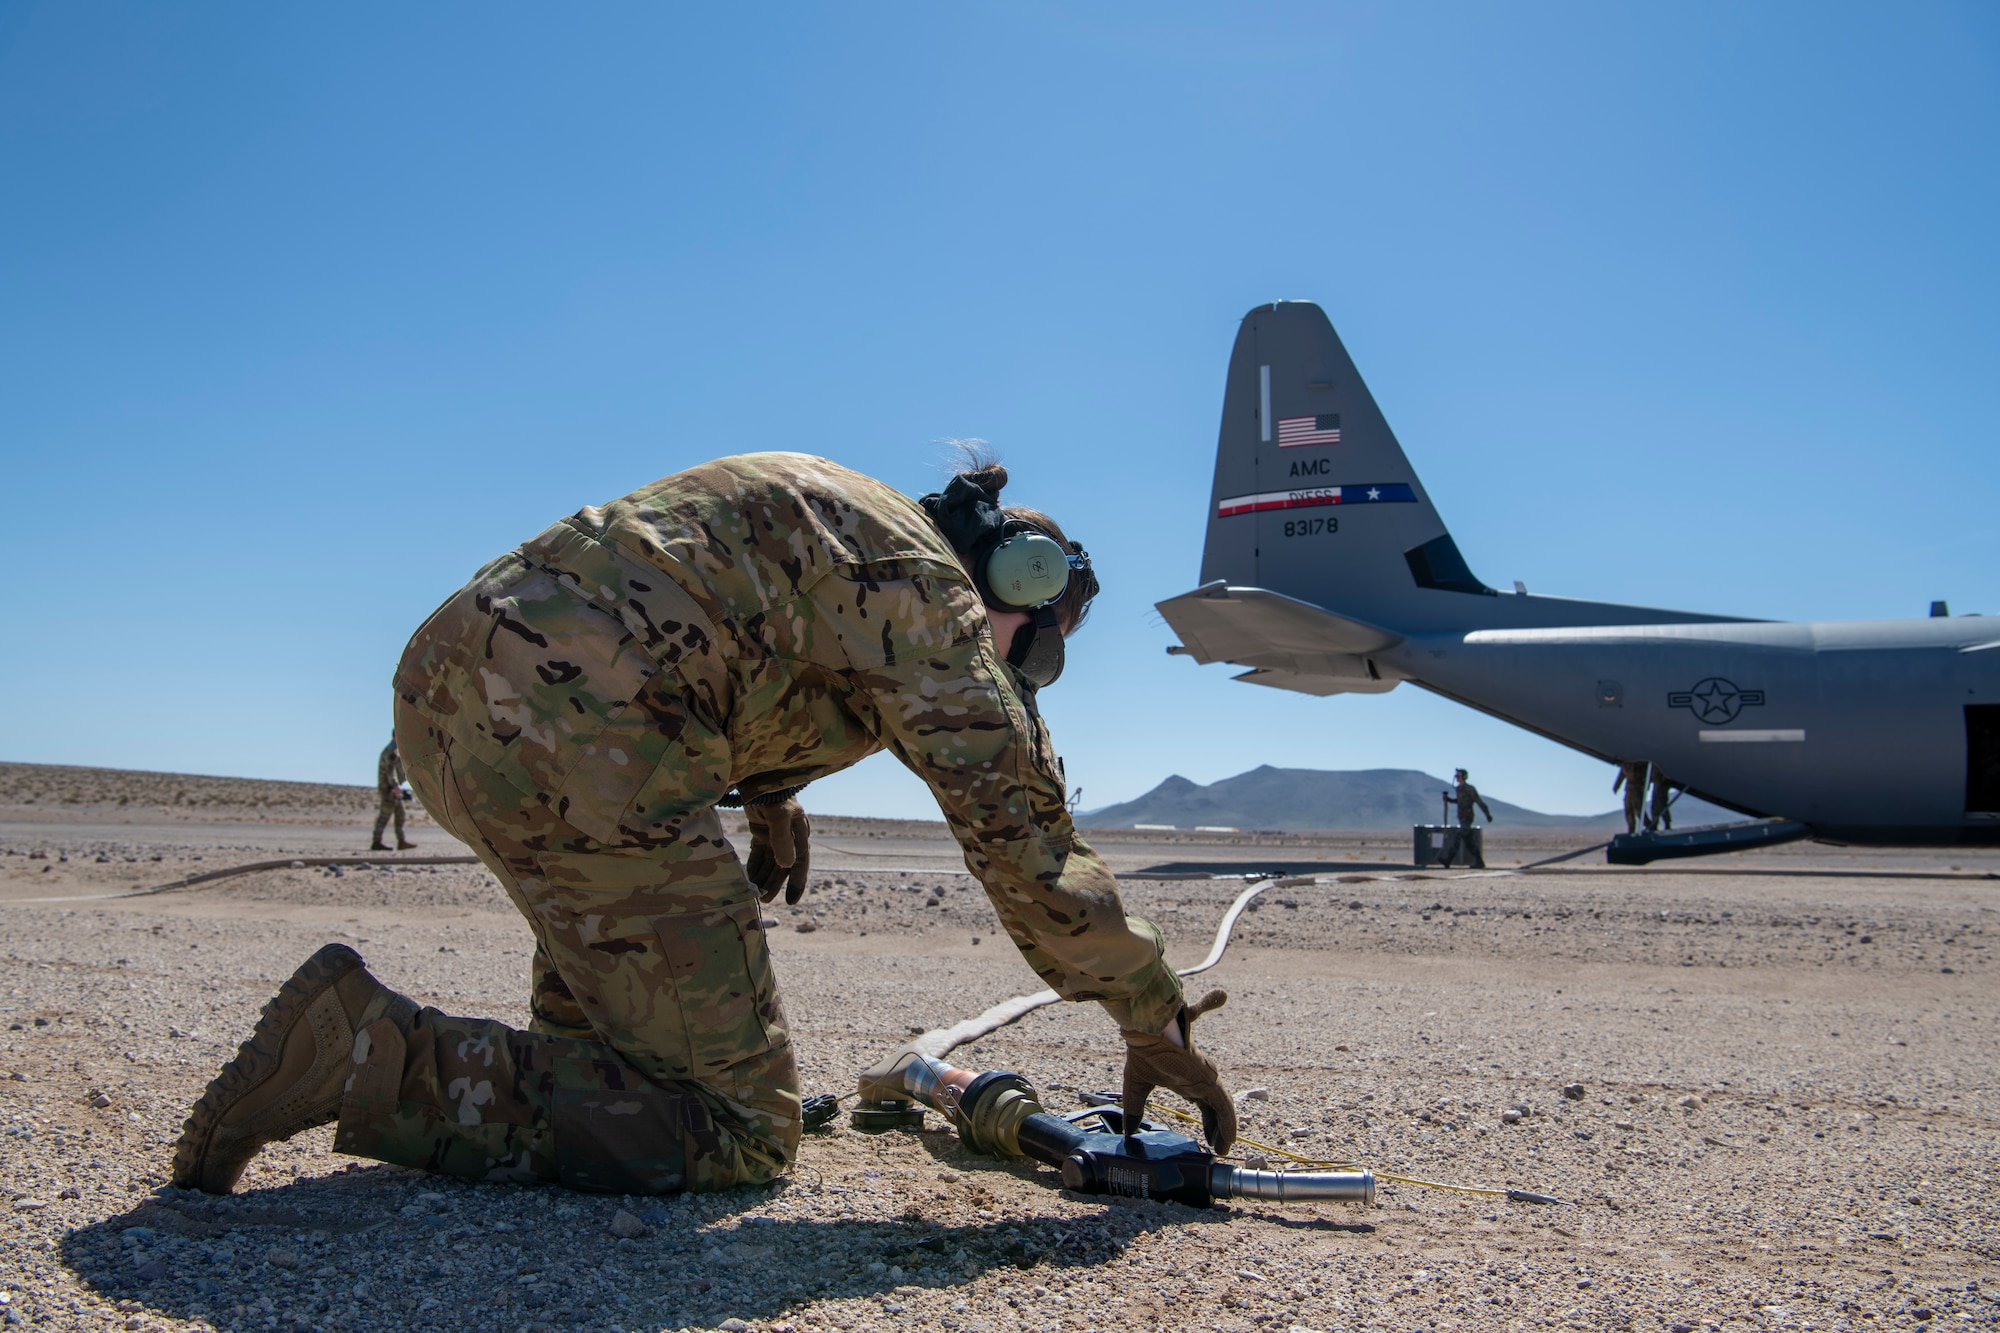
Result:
x=1715 y=701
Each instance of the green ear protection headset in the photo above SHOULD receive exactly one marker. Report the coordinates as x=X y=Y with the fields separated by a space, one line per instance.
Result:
x=1016 y=567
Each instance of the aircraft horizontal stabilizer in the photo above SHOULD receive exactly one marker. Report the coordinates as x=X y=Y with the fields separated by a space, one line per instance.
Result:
x=1323 y=685
x=1290 y=644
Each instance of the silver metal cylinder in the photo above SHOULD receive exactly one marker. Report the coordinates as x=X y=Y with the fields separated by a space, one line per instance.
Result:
x=1242 y=1182
x=921 y=1081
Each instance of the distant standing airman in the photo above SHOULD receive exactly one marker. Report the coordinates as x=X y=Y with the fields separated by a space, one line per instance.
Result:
x=389 y=780
x=1661 y=816
x=1467 y=798
x=1632 y=778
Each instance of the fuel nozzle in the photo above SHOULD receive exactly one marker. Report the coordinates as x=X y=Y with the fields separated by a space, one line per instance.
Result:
x=999 y=1113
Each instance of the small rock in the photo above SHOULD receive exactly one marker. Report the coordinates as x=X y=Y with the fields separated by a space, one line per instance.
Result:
x=1340 y=1048
x=1573 y=1091
x=99 y=1100
x=1510 y=1117
x=805 y=927
x=281 y=1258
x=17 y=1076
x=1256 y=1094
x=768 y=923
x=1689 y=1102
x=1625 y=1125
x=29 y=1205
x=1302 y=1133
x=975 y=941
x=70 y=1192
x=733 y=1326
x=627 y=1226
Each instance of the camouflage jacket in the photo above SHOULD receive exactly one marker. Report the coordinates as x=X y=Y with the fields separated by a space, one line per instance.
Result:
x=389 y=771
x=809 y=616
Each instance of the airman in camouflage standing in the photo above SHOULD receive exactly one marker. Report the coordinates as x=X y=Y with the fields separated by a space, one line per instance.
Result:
x=1631 y=777
x=1466 y=797
x=389 y=780
x=576 y=713
x=1660 y=814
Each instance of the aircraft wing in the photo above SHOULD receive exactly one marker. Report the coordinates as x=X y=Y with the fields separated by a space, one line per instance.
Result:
x=1289 y=644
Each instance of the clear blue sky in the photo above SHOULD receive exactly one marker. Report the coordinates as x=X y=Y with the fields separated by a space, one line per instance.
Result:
x=307 y=311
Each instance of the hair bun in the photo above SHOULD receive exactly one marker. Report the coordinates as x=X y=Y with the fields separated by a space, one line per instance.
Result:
x=988 y=477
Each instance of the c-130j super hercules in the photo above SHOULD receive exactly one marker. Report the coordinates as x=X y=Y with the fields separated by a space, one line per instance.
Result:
x=1326 y=570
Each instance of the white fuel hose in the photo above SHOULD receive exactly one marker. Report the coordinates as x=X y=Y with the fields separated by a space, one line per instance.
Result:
x=940 y=1042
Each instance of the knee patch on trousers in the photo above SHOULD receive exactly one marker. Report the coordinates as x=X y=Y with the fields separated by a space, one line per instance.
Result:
x=617 y=1133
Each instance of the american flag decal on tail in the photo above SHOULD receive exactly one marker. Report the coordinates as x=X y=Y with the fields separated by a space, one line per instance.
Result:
x=1295 y=432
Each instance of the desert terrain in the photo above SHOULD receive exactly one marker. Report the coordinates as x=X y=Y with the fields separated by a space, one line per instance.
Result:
x=1786 y=1065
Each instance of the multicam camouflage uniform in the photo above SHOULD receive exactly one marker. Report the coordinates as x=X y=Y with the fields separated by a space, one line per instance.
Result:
x=1457 y=841
x=1660 y=815
x=389 y=780
x=1631 y=777
x=575 y=713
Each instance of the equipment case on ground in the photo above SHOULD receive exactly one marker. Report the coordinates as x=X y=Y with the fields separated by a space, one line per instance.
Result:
x=1431 y=841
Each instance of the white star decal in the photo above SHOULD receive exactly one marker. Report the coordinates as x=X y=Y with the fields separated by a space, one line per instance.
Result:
x=1374 y=494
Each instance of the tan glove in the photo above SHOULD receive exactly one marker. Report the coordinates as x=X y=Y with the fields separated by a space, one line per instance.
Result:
x=1151 y=1061
x=779 y=837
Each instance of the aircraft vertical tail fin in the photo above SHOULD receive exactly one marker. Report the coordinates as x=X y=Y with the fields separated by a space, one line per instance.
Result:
x=1313 y=497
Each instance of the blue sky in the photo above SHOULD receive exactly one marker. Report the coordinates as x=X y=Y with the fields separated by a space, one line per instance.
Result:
x=307 y=312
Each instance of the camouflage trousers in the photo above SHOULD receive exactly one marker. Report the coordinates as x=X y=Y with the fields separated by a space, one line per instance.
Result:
x=391 y=807
x=658 y=1058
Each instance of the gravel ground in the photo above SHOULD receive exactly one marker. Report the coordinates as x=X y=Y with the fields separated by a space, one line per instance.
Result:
x=1786 y=1117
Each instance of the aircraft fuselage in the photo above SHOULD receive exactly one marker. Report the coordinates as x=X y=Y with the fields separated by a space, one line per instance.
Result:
x=1767 y=718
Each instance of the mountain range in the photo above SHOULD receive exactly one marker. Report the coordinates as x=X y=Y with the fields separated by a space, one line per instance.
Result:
x=1300 y=799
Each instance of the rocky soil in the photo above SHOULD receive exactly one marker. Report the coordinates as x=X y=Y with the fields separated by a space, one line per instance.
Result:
x=1786 y=1119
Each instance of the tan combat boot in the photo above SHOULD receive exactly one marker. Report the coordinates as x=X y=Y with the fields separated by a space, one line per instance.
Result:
x=290 y=1074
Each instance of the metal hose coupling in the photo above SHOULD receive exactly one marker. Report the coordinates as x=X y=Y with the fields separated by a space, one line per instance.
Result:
x=988 y=1114
x=895 y=1091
